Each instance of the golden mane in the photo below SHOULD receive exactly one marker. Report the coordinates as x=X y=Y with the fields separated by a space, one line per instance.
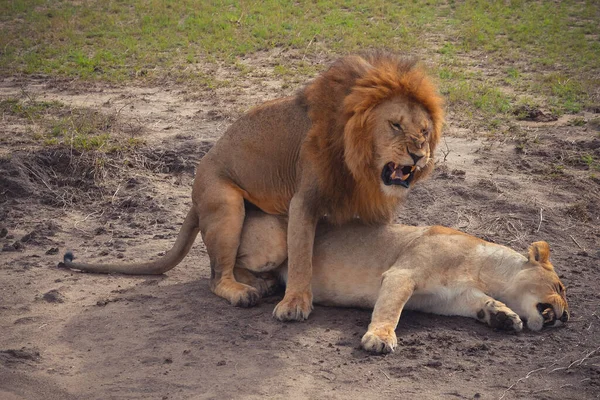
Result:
x=340 y=142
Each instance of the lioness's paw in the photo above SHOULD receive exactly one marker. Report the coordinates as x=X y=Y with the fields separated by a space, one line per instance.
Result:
x=506 y=320
x=294 y=307
x=380 y=340
x=267 y=286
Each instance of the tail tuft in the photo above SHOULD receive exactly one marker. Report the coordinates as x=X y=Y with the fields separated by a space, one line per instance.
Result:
x=68 y=257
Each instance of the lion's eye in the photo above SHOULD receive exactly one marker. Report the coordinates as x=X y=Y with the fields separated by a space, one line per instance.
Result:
x=424 y=131
x=396 y=126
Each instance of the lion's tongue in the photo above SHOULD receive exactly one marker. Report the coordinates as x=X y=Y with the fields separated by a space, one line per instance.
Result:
x=397 y=174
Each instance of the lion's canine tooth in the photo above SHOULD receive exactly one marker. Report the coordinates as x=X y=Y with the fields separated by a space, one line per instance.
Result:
x=413 y=168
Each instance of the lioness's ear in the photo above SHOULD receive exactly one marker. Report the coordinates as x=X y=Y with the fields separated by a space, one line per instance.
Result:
x=540 y=252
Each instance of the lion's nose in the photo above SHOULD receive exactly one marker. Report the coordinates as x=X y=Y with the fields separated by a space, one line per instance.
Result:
x=565 y=316
x=415 y=157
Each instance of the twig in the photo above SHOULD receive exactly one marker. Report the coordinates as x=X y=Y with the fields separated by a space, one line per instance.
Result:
x=112 y=200
x=578 y=362
x=239 y=19
x=86 y=217
x=520 y=380
x=578 y=245
x=567 y=385
x=541 y=219
x=307 y=46
x=39 y=177
x=584 y=358
x=445 y=153
x=386 y=375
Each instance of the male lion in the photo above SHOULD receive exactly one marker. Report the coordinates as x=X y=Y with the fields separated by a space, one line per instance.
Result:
x=348 y=145
x=427 y=268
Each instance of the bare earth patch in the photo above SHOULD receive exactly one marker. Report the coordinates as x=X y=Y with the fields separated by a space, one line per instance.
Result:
x=73 y=335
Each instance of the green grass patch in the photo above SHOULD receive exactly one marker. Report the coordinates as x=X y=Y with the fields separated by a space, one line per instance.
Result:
x=112 y=40
x=544 y=48
x=484 y=97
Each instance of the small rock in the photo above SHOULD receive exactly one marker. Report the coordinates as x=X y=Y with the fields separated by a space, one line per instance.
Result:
x=433 y=364
x=8 y=247
x=52 y=251
x=221 y=363
x=28 y=237
x=54 y=296
x=3 y=232
x=12 y=247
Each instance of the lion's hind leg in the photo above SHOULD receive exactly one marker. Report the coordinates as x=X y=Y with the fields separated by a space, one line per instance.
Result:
x=221 y=211
x=474 y=303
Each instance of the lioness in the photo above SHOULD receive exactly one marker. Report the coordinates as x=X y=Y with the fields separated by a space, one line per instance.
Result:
x=348 y=145
x=394 y=267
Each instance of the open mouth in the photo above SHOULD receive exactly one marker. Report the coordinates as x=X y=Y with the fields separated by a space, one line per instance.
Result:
x=401 y=175
x=547 y=313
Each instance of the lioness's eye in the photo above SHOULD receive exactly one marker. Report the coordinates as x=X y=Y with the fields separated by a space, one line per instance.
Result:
x=396 y=126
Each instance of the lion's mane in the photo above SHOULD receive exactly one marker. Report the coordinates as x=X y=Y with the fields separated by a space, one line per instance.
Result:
x=340 y=142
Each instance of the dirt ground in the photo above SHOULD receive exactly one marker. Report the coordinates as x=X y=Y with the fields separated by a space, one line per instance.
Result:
x=70 y=335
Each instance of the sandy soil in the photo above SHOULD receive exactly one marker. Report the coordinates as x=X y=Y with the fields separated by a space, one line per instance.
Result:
x=69 y=335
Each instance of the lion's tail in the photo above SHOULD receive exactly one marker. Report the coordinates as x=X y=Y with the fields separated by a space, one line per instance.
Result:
x=185 y=239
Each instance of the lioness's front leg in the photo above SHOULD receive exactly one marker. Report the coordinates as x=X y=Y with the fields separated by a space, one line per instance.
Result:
x=476 y=304
x=396 y=288
x=221 y=211
x=297 y=302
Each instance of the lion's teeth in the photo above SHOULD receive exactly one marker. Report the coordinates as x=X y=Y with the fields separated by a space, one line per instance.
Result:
x=413 y=168
x=405 y=177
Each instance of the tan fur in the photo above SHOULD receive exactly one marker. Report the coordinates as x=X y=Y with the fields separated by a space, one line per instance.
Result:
x=318 y=154
x=432 y=269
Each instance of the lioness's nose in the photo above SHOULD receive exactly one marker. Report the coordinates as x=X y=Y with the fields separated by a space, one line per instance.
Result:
x=565 y=316
x=415 y=157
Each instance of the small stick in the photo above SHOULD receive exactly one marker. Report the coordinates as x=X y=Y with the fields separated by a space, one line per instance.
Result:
x=541 y=219
x=112 y=200
x=578 y=245
x=386 y=375
x=584 y=358
x=521 y=379
x=445 y=153
x=578 y=362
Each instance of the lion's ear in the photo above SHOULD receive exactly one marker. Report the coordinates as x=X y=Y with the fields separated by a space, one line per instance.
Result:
x=358 y=146
x=540 y=252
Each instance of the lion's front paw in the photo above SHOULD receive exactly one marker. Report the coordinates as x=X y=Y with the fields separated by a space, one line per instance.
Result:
x=294 y=307
x=380 y=340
